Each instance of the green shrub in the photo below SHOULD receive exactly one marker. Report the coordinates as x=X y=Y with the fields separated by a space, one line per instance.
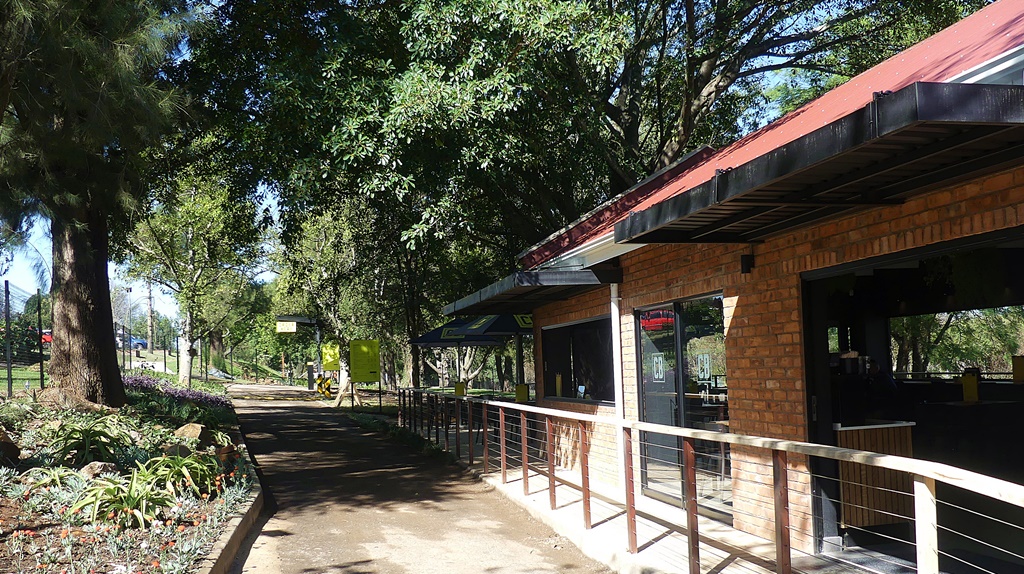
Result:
x=100 y=439
x=176 y=473
x=56 y=476
x=138 y=500
x=14 y=414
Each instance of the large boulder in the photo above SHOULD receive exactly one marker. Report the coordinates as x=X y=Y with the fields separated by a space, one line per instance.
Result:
x=196 y=431
x=96 y=468
x=9 y=450
x=177 y=450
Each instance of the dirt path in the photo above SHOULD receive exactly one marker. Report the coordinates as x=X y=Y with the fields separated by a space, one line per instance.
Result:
x=352 y=501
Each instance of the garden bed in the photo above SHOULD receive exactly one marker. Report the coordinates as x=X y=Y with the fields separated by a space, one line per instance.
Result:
x=166 y=497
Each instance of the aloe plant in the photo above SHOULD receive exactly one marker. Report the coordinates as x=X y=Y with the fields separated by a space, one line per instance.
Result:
x=176 y=473
x=134 y=501
x=93 y=440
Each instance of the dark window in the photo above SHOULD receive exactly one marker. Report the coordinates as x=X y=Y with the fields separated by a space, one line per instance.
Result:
x=578 y=361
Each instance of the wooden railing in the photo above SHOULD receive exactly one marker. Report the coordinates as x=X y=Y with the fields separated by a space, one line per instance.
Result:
x=429 y=412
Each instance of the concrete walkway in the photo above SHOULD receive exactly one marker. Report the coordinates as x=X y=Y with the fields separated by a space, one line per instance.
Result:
x=350 y=501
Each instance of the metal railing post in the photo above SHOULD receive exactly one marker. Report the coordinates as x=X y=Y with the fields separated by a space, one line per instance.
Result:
x=432 y=412
x=417 y=419
x=550 y=432
x=526 y=455
x=926 y=525
x=483 y=422
x=627 y=455
x=780 y=477
x=501 y=441
x=585 y=470
x=436 y=414
x=690 y=492
x=401 y=409
x=458 y=428
x=469 y=425
x=445 y=412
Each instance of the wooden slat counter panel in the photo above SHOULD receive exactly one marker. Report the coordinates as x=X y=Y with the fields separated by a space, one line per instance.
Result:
x=873 y=496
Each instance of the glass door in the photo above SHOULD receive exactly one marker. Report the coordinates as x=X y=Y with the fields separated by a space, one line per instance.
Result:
x=661 y=455
x=681 y=356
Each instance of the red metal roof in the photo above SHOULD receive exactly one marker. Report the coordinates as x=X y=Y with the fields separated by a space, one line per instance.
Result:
x=973 y=41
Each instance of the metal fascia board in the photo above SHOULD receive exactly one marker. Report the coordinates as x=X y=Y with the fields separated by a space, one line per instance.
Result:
x=887 y=113
x=666 y=212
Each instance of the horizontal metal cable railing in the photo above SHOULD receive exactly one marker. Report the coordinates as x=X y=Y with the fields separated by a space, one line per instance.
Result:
x=758 y=485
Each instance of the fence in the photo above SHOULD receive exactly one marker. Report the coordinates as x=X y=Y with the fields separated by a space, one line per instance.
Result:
x=24 y=348
x=919 y=515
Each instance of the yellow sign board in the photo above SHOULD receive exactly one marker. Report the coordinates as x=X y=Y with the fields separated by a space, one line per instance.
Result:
x=287 y=327
x=364 y=361
x=331 y=353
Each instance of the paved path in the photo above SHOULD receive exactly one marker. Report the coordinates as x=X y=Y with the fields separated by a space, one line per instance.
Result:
x=350 y=501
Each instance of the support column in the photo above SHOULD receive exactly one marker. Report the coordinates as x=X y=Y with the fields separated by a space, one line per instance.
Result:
x=620 y=393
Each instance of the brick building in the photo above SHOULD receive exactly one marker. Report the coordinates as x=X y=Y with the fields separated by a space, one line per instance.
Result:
x=766 y=271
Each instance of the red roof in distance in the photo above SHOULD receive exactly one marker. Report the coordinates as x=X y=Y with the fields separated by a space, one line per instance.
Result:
x=967 y=44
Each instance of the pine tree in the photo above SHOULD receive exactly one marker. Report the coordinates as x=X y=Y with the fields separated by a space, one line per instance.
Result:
x=82 y=94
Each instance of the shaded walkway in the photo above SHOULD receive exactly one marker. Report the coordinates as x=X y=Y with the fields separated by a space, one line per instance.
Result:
x=350 y=501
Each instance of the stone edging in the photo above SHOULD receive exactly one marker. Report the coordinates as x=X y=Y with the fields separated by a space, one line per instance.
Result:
x=224 y=551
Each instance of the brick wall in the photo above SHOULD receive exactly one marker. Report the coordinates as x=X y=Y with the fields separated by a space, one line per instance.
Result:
x=764 y=346
x=603 y=463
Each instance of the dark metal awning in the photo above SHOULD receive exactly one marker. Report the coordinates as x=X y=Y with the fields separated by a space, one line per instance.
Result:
x=447 y=335
x=523 y=291
x=903 y=143
x=500 y=325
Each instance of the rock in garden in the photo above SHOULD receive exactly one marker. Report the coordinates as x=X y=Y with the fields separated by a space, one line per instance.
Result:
x=196 y=431
x=96 y=468
x=177 y=450
x=9 y=450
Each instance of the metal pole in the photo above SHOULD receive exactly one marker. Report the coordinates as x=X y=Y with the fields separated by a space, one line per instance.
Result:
x=585 y=470
x=458 y=430
x=627 y=447
x=447 y=419
x=39 y=324
x=122 y=347
x=469 y=425
x=690 y=492
x=526 y=454
x=483 y=429
x=926 y=525
x=520 y=368
x=7 y=336
x=780 y=471
x=501 y=444
x=549 y=429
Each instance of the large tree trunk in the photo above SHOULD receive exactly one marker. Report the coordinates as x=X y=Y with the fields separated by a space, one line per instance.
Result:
x=84 y=356
x=415 y=354
x=216 y=348
x=185 y=355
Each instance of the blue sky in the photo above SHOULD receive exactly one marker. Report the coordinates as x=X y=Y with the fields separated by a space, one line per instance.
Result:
x=32 y=264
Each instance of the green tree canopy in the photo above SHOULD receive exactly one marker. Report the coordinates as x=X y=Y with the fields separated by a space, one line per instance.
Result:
x=81 y=97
